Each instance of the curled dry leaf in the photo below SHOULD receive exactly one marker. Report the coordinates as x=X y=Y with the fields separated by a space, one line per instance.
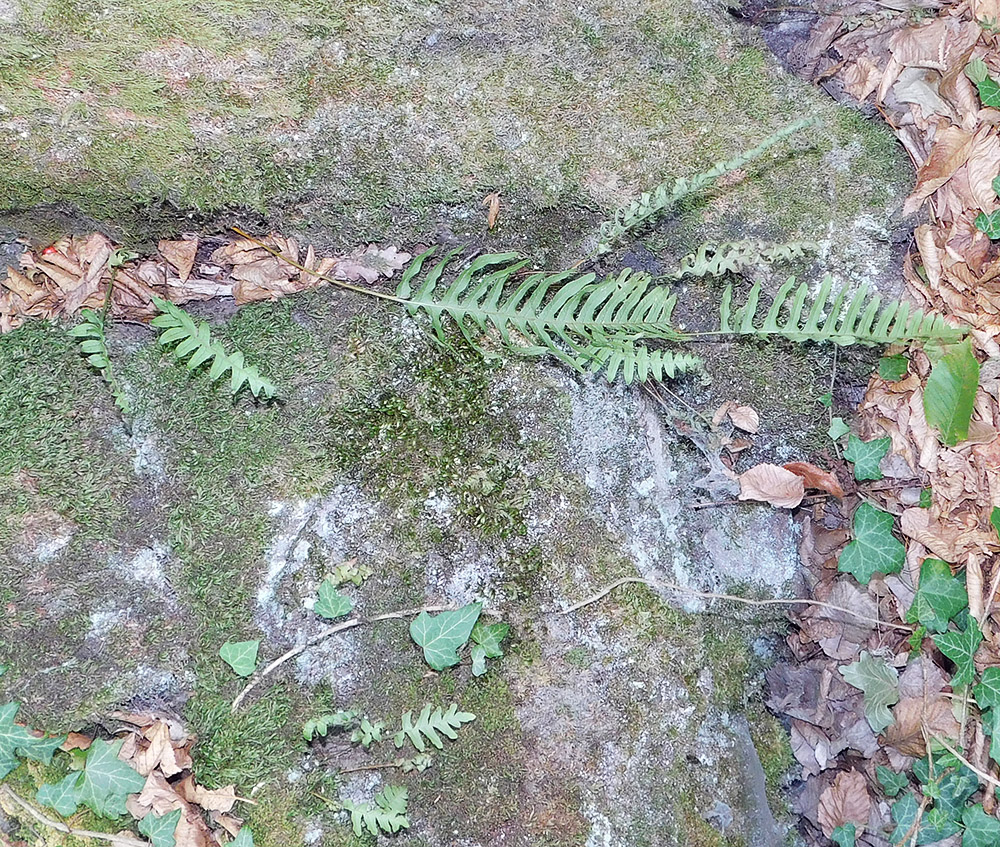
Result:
x=846 y=800
x=814 y=477
x=772 y=484
x=181 y=255
x=492 y=202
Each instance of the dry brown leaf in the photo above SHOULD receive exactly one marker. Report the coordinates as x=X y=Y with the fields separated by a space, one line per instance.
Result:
x=76 y=741
x=216 y=799
x=492 y=201
x=159 y=753
x=814 y=477
x=745 y=418
x=951 y=150
x=845 y=801
x=915 y=714
x=180 y=254
x=369 y=263
x=772 y=484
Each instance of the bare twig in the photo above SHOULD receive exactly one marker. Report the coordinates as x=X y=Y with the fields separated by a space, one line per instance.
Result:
x=809 y=499
x=128 y=841
x=710 y=595
x=322 y=636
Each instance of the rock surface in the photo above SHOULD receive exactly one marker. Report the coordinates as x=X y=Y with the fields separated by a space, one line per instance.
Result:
x=128 y=555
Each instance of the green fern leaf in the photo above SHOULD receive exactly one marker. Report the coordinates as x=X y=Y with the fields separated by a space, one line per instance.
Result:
x=387 y=814
x=194 y=342
x=667 y=195
x=323 y=724
x=429 y=724
x=734 y=256
x=860 y=319
x=93 y=345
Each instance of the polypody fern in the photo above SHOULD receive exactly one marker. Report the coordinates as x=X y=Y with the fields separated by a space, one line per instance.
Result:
x=94 y=345
x=387 y=814
x=194 y=342
x=429 y=724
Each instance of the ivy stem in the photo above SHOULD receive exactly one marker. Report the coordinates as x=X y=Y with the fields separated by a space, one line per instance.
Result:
x=127 y=841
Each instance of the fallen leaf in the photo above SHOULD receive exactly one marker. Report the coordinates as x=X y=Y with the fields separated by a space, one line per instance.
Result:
x=217 y=799
x=772 y=484
x=76 y=741
x=370 y=263
x=845 y=801
x=745 y=418
x=492 y=200
x=951 y=150
x=814 y=477
x=911 y=716
x=180 y=254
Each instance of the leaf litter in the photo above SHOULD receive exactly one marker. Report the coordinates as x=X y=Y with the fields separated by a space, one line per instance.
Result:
x=911 y=539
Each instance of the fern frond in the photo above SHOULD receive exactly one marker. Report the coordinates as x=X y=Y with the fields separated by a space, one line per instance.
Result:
x=558 y=314
x=637 y=362
x=734 y=256
x=858 y=319
x=323 y=724
x=430 y=724
x=368 y=733
x=93 y=344
x=194 y=342
x=667 y=195
x=388 y=813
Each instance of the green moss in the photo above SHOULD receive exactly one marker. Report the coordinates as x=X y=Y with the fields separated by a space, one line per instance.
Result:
x=775 y=751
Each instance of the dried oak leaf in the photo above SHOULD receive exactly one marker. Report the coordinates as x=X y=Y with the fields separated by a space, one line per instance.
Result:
x=845 y=801
x=772 y=484
x=814 y=477
x=915 y=714
x=181 y=255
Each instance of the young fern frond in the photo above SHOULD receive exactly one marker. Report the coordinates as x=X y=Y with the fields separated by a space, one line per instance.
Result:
x=734 y=256
x=560 y=314
x=194 y=342
x=386 y=814
x=858 y=319
x=429 y=724
x=94 y=345
x=637 y=362
x=667 y=195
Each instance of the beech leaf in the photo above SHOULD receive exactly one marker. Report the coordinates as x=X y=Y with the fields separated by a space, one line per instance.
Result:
x=814 y=477
x=866 y=456
x=950 y=393
x=846 y=800
x=874 y=548
x=772 y=484
x=940 y=596
x=880 y=683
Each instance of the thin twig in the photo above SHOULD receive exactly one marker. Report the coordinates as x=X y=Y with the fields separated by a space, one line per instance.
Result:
x=378 y=766
x=710 y=595
x=322 y=636
x=129 y=841
x=811 y=498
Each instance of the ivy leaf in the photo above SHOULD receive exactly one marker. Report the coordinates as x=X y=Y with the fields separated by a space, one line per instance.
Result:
x=486 y=640
x=991 y=723
x=952 y=790
x=442 y=634
x=331 y=603
x=995 y=519
x=107 y=780
x=940 y=596
x=988 y=691
x=904 y=813
x=874 y=549
x=893 y=368
x=960 y=647
x=866 y=456
x=989 y=223
x=243 y=839
x=844 y=835
x=950 y=393
x=880 y=683
x=16 y=740
x=937 y=825
x=64 y=796
x=838 y=429
x=241 y=656
x=892 y=783
x=160 y=830
x=981 y=829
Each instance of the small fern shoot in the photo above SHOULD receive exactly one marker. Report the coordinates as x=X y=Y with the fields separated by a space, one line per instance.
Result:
x=735 y=256
x=665 y=196
x=94 y=345
x=194 y=342
x=429 y=724
x=387 y=814
x=843 y=321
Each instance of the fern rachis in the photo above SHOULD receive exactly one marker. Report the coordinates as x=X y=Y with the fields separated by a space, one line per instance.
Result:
x=91 y=333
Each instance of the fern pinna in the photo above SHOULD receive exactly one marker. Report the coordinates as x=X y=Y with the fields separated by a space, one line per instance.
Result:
x=607 y=325
x=194 y=342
